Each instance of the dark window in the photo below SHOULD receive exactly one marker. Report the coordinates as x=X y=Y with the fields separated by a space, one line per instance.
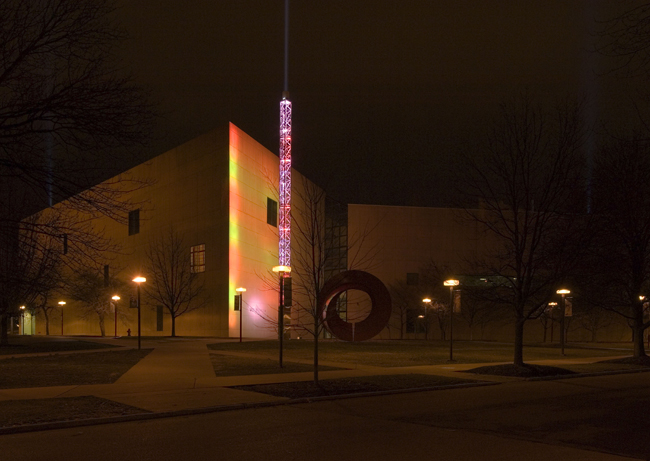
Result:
x=271 y=212
x=159 y=318
x=197 y=258
x=412 y=278
x=134 y=222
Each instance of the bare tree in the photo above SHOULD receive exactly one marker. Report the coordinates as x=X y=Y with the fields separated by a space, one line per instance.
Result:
x=176 y=284
x=620 y=272
x=527 y=180
x=65 y=105
x=94 y=290
x=625 y=36
x=405 y=302
x=312 y=259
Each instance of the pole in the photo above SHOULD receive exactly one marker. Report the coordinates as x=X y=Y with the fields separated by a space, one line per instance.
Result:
x=281 y=315
x=562 y=324
x=61 y=320
x=552 y=322
x=241 y=308
x=451 y=323
x=139 y=345
x=115 y=304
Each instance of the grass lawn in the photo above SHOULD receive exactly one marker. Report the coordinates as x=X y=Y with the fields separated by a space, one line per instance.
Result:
x=21 y=412
x=353 y=385
x=67 y=369
x=227 y=365
x=414 y=352
x=36 y=344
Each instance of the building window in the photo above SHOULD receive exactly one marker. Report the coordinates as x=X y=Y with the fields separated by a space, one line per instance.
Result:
x=197 y=258
x=134 y=222
x=271 y=212
x=412 y=278
x=159 y=318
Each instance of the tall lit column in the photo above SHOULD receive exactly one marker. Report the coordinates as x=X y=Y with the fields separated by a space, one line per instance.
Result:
x=285 y=182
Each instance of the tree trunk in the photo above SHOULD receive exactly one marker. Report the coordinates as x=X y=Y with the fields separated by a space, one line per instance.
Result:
x=174 y=326
x=519 y=343
x=639 y=348
x=4 y=322
x=102 y=327
x=316 y=352
x=47 y=322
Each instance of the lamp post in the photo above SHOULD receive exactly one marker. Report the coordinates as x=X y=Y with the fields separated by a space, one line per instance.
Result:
x=451 y=283
x=22 y=315
x=61 y=303
x=139 y=279
x=281 y=270
x=115 y=298
x=562 y=292
x=552 y=305
x=240 y=291
x=427 y=303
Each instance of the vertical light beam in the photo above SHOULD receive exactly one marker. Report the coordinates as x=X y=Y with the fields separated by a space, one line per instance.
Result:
x=284 y=254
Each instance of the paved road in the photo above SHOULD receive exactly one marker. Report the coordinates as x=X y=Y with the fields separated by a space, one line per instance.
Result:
x=589 y=419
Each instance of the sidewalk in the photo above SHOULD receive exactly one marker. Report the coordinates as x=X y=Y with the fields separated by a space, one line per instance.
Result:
x=178 y=375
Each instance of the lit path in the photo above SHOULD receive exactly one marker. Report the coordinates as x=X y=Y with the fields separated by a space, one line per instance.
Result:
x=582 y=419
x=172 y=361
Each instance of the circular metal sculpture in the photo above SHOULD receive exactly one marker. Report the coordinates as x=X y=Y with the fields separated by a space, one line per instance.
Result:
x=380 y=311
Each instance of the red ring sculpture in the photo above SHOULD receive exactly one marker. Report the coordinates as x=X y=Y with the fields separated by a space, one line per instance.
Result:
x=380 y=311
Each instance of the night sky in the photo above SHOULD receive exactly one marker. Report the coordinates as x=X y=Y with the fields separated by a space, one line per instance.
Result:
x=385 y=94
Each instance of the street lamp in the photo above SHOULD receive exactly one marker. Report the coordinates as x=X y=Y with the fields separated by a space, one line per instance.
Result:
x=451 y=283
x=22 y=314
x=281 y=270
x=427 y=303
x=240 y=291
x=115 y=298
x=552 y=305
x=61 y=303
x=139 y=279
x=562 y=292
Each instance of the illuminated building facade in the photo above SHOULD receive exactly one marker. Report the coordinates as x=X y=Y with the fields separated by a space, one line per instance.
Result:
x=219 y=192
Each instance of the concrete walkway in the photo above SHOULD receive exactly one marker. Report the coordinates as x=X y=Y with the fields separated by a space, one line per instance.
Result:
x=178 y=375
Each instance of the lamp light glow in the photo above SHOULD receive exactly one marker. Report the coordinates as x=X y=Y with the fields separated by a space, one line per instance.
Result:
x=240 y=290
x=281 y=269
x=563 y=291
x=426 y=300
x=140 y=279
x=115 y=298
x=61 y=303
x=451 y=283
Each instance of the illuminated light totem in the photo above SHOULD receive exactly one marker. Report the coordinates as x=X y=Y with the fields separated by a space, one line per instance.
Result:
x=285 y=181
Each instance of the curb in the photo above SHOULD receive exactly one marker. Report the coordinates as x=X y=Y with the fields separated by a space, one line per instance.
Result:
x=588 y=375
x=221 y=408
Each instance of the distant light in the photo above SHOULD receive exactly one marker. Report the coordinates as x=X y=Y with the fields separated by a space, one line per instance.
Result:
x=61 y=303
x=240 y=289
x=420 y=316
x=426 y=300
x=139 y=279
x=563 y=291
x=451 y=283
x=115 y=298
x=22 y=307
x=281 y=269
x=552 y=303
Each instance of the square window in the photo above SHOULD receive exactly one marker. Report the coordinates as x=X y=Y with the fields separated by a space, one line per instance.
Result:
x=134 y=222
x=197 y=258
x=271 y=212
